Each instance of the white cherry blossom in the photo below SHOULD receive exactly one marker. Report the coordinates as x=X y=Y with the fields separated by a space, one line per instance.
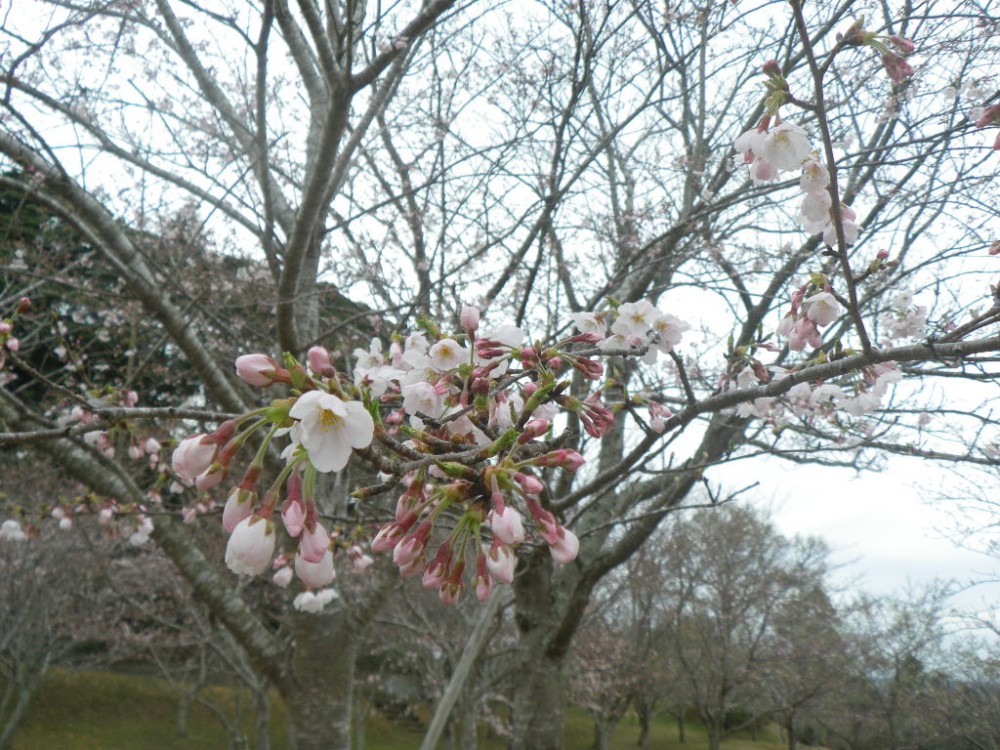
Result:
x=331 y=428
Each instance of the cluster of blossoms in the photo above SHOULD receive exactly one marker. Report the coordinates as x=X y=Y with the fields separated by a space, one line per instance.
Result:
x=463 y=421
x=904 y=318
x=816 y=215
x=784 y=148
x=808 y=314
x=860 y=396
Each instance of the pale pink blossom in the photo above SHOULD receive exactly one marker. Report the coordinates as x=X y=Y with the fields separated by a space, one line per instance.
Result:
x=315 y=575
x=209 y=479
x=822 y=308
x=469 y=319
x=258 y=370
x=762 y=171
x=635 y=319
x=387 y=537
x=750 y=143
x=507 y=525
x=423 y=398
x=815 y=177
x=331 y=428
x=251 y=546
x=785 y=147
x=320 y=361
x=239 y=505
x=409 y=550
x=314 y=543
x=193 y=455
x=447 y=354
x=293 y=516
x=501 y=562
x=563 y=545
x=589 y=322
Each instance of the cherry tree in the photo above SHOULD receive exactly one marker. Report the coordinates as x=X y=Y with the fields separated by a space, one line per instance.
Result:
x=579 y=255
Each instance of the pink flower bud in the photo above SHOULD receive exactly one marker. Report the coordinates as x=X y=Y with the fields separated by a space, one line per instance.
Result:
x=258 y=370
x=563 y=458
x=209 y=479
x=409 y=550
x=896 y=67
x=320 y=361
x=533 y=429
x=189 y=514
x=531 y=485
x=771 y=68
x=434 y=574
x=314 y=543
x=293 y=510
x=484 y=585
x=239 y=505
x=315 y=575
x=251 y=546
x=563 y=545
x=193 y=455
x=387 y=537
x=507 y=525
x=450 y=592
x=501 y=562
x=905 y=45
x=469 y=319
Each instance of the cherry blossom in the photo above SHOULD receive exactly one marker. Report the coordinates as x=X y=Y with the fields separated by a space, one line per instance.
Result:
x=193 y=455
x=251 y=546
x=785 y=147
x=331 y=428
x=315 y=575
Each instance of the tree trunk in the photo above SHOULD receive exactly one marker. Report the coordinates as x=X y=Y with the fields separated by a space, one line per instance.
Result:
x=604 y=731
x=24 y=682
x=680 y=728
x=538 y=697
x=539 y=706
x=645 y=720
x=714 y=735
x=183 y=714
x=470 y=725
x=13 y=719
x=318 y=696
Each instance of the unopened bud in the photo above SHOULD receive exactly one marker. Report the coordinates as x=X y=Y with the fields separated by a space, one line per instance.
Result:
x=469 y=319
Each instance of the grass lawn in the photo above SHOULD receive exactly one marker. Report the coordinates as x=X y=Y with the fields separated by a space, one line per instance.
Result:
x=109 y=711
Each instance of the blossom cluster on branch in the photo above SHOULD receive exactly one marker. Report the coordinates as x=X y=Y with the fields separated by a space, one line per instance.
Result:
x=465 y=422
